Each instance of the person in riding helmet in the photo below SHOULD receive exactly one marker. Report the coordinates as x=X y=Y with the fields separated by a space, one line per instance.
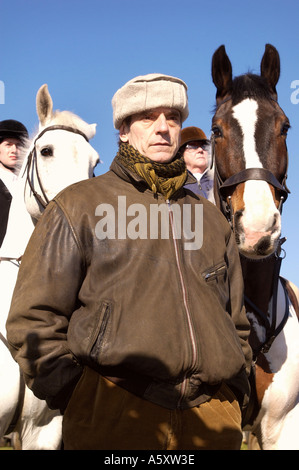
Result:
x=12 y=135
x=196 y=149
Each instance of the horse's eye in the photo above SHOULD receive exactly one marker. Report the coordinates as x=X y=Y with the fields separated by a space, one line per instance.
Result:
x=216 y=131
x=47 y=152
x=285 y=128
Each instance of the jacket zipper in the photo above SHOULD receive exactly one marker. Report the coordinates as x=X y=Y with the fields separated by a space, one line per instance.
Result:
x=190 y=326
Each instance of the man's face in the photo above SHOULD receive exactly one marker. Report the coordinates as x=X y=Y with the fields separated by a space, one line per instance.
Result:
x=9 y=152
x=155 y=133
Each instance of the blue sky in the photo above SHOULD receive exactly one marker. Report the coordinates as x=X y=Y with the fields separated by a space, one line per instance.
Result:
x=86 y=50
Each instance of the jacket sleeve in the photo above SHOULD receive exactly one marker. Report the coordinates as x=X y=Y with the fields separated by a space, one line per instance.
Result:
x=238 y=311
x=46 y=294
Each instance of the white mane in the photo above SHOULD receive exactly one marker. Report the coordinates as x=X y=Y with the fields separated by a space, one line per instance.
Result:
x=24 y=149
x=67 y=118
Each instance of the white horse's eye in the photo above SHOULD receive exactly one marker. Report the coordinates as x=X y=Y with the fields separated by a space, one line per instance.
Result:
x=47 y=152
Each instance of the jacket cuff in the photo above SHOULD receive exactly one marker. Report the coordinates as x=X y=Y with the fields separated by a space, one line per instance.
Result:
x=60 y=401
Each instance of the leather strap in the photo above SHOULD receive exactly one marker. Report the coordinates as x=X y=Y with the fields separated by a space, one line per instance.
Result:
x=261 y=174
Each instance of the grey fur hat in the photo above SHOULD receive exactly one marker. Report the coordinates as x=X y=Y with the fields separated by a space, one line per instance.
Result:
x=147 y=92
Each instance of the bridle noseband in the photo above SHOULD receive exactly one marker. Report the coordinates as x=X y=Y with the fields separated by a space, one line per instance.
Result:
x=257 y=174
x=32 y=161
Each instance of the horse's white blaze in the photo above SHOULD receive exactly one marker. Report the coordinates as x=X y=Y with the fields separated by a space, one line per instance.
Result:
x=260 y=215
x=246 y=115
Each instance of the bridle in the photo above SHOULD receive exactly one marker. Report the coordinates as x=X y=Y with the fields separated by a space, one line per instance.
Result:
x=261 y=174
x=269 y=319
x=31 y=165
x=32 y=162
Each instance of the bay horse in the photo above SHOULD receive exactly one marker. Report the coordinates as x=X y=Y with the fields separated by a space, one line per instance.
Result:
x=59 y=155
x=249 y=132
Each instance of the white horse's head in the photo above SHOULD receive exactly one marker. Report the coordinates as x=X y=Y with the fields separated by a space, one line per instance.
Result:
x=59 y=155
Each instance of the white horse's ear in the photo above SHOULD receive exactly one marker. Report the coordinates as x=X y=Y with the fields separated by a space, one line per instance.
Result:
x=44 y=104
x=92 y=130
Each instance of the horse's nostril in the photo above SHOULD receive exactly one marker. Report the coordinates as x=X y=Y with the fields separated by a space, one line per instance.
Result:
x=237 y=218
x=275 y=222
x=263 y=246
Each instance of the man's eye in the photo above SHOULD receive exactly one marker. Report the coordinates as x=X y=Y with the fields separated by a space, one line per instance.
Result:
x=174 y=118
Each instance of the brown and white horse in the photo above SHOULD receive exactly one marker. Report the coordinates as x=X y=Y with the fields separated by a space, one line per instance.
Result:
x=249 y=131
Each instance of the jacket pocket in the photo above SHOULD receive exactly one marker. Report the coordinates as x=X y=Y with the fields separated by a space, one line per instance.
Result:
x=98 y=338
x=215 y=273
x=216 y=279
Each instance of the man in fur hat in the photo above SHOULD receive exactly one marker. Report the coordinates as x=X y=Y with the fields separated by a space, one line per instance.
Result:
x=12 y=134
x=137 y=333
x=196 y=151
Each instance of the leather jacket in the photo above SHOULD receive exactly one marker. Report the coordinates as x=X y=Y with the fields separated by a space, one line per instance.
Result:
x=163 y=321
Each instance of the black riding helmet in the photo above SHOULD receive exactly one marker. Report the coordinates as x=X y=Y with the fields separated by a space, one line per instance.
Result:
x=13 y=129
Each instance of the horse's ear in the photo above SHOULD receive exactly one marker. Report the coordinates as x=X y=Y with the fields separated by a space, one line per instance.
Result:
x=270 y=67
x=92 y=130
x=44 y=104
x=221 y=72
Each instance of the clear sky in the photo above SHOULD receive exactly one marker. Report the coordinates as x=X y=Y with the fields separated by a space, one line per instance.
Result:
x=86 y=50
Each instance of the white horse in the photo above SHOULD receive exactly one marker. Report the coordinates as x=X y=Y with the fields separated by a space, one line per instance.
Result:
x=59 y=155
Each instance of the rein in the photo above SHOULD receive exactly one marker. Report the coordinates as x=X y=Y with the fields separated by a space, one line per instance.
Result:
x=270 y=318
x=32 y=161
x=261 y=174
x=15 y=261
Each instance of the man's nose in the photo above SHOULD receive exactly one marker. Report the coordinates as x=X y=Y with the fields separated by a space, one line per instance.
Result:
x=162 y=124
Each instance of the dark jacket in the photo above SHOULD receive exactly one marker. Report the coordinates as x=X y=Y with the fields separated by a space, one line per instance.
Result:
x=5 y=201
x=161 y=320
x=204 y=187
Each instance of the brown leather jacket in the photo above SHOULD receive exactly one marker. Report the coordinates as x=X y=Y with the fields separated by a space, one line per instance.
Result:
x=161 y=320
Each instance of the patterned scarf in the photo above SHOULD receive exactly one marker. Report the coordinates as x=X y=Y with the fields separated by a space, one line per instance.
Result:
x=164 y=178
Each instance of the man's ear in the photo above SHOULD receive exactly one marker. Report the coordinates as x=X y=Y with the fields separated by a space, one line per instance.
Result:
x=123 y=133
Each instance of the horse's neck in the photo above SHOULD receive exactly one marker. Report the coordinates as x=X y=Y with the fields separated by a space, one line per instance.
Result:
x=20 y=225
x=260 y=279
x=293 y=293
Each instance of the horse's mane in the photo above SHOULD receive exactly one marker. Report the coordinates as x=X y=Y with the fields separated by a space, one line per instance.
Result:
x=248 y=85
x=23 y=149
x=251 y=86
x=67 y=118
